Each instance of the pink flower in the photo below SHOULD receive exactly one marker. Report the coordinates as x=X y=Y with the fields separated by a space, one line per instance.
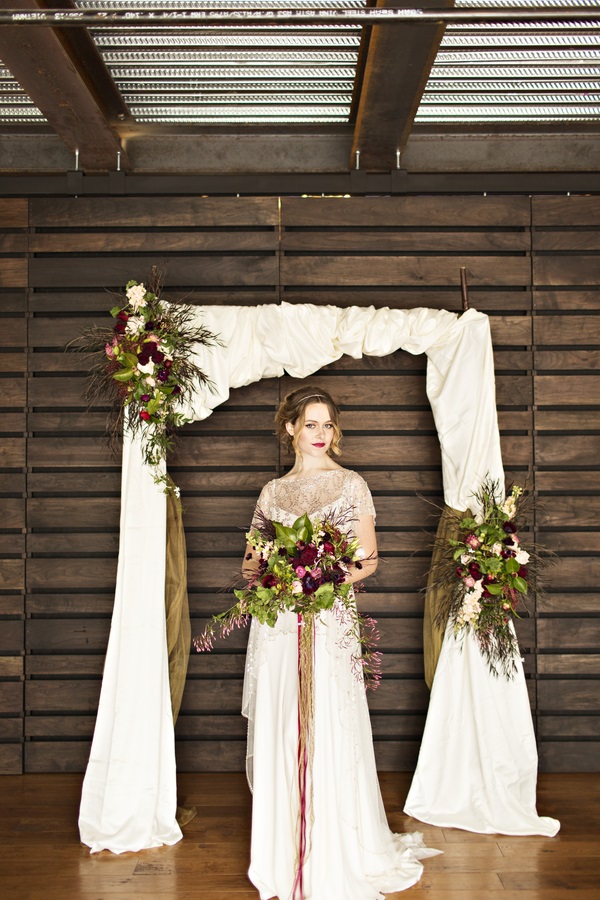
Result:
x=296 y=587
x=469 y=582
x=110 y=347
x=316 y=573
x=473 y=541
x=300 y=571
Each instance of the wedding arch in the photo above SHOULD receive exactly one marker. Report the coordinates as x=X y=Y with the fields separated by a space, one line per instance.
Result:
x=129 y=792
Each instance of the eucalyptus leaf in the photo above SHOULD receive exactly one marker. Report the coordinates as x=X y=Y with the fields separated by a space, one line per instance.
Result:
x=494 y=589
x=123 y=375
x=130 y=359
x=303 y=528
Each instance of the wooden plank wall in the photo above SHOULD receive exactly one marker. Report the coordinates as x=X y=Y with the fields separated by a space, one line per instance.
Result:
x=13 y=428
x=532 y=265
x=566 y=331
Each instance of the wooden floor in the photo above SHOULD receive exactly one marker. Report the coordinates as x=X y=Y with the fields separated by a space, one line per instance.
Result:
x=41 y=857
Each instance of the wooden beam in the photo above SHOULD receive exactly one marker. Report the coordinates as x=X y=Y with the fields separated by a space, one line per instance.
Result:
x=397 y=67
x=42 y=64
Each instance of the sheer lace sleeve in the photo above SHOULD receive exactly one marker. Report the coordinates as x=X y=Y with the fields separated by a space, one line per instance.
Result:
x=360 y=496
x=263 y=503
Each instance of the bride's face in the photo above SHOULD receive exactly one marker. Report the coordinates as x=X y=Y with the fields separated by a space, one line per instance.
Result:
x=315 y=434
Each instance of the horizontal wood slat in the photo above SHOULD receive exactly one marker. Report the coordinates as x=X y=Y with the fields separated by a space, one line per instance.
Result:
x=410 y=270
x=419 y=212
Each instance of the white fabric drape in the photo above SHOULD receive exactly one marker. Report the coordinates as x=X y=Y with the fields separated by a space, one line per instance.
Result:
x=477 y=767
x=128 y=797
x=266 y=341
x=129 y=793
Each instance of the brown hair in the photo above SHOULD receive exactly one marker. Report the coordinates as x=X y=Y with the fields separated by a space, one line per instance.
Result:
x=293 y=409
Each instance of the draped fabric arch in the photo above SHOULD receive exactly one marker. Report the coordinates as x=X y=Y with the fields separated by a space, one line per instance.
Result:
x=129 y=792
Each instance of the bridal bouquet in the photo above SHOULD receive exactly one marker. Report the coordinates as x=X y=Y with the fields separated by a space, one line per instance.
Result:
x=491 y=575
x=143 y=362
x=301 y=568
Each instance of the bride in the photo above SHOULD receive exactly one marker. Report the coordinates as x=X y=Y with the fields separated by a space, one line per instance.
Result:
x=351 y=853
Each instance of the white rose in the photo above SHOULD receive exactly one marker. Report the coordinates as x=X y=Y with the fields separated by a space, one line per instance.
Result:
x=134 y=324
x=497 y=548
x=522 y=557
x=147 y=369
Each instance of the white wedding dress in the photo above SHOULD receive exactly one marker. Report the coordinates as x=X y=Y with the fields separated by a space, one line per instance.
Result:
x=353 y=855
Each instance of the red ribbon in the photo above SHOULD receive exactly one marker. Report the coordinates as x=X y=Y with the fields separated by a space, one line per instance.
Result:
x=298 y=889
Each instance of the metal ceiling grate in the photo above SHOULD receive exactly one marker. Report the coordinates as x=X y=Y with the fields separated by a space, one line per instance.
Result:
x=300 y=75
x=544 y=73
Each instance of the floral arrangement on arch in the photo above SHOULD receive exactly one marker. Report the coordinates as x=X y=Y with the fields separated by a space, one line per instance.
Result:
x=488 y=574
x=143 y=366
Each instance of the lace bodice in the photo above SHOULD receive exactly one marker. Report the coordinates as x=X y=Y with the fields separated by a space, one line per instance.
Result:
x=284 y=499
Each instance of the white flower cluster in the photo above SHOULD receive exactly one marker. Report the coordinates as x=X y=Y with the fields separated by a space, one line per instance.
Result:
x=471 y=607
x=136 y=295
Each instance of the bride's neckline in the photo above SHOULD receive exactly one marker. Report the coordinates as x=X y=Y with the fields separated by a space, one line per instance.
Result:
x=311 y=477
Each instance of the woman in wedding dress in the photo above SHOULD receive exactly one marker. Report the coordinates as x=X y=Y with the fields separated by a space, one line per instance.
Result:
x=351 y=853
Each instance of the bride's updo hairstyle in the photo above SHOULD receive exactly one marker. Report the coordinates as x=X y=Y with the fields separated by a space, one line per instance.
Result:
x=293 y=409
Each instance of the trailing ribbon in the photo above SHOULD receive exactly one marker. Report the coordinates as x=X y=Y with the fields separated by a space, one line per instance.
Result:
x=306 y=746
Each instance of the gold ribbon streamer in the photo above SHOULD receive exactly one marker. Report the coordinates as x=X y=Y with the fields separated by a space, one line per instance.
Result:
x=306 y=745
x=179 y=630
x=433 y=631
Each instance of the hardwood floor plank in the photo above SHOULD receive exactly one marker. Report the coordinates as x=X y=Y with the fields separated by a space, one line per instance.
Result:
x=41 y=857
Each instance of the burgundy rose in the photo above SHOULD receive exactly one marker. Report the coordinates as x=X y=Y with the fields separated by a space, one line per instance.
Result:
x=150 y=347
x=157 y=356
x=328 y=547
x=144 y=398
x=523 y=572
x=269 y=580
x=308 y=556
x=168 y=363
x=122 y=316
x=145 y=415
x=460 y=573
x=486 y=593
x=143 y=359
x=163 y=376
x=474 y=571
x=120 y=328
